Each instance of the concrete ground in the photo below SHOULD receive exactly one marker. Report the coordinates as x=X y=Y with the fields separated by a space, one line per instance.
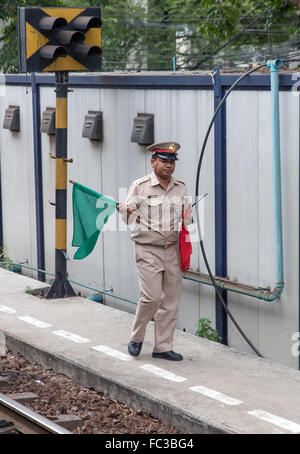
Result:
x=215 y=389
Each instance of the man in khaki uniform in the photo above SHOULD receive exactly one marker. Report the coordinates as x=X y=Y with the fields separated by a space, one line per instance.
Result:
x=155 y=204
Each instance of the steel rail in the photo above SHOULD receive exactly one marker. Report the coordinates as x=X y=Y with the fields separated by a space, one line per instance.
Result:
x=27 y=421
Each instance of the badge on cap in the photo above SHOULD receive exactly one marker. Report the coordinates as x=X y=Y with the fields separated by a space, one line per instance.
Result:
x=172 y=148
x=165 y=150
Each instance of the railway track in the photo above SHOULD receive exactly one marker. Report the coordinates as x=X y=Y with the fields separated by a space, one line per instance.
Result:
x=26 y=421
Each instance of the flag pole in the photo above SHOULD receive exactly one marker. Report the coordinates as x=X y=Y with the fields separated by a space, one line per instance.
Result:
x=61 y=286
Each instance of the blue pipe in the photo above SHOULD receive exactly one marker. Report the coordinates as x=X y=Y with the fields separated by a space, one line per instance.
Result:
x=174 y=64
x=256 y=292
x=274 y=65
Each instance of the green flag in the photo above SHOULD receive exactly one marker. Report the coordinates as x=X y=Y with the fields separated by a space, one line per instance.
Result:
x=90 y=212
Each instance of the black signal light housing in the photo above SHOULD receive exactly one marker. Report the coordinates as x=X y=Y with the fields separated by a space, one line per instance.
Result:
x=59 y=39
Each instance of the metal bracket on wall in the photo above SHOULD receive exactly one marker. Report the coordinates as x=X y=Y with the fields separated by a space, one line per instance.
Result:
x=65 y=160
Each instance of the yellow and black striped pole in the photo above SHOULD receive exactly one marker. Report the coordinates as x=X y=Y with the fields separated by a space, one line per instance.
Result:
x=61 y=286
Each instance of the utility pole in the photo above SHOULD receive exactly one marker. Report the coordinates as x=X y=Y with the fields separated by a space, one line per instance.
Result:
x=61 y=286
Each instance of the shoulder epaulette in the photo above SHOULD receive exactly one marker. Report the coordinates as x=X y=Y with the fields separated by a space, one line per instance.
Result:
x=178 y=180
x=142 y=180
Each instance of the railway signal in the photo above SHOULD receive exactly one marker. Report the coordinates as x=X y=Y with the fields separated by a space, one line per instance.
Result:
x=60 y=40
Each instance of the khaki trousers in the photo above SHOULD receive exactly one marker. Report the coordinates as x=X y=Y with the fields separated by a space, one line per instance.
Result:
x=160 y=279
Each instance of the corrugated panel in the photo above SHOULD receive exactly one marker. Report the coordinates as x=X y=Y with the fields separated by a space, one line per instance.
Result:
x=122 y=162
x=17 y=174
x=47 y=99
x=251 y=247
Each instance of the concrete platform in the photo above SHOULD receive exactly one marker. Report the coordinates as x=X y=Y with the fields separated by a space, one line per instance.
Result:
x=215 y=389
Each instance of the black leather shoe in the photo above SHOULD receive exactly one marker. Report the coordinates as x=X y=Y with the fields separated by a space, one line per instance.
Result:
x=172 y=356
x=134 y=348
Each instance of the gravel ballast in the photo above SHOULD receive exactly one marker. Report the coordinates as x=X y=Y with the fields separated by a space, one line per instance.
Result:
x=59 y=395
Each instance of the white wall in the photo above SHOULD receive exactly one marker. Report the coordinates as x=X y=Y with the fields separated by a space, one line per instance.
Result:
x=183 y=116
x=250 y=215
x=17 y=173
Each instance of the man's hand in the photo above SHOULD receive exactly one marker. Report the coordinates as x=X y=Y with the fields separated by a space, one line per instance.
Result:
x=123 y=207
x=187 y=218
x=187 y=212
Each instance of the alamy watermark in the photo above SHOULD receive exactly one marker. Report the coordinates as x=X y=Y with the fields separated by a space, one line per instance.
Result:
x=161 y=214
x=296 y=345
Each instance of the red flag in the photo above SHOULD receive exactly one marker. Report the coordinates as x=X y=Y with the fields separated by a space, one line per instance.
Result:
x=185 y=246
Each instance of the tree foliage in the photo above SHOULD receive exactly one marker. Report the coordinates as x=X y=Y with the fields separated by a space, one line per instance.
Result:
x=149 y=34
x=234 y=25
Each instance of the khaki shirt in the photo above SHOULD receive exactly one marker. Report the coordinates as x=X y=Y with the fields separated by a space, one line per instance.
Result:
x=157 y=213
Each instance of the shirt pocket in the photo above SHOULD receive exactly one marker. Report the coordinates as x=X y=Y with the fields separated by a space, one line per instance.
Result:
x=154 y=200
x=154 y=209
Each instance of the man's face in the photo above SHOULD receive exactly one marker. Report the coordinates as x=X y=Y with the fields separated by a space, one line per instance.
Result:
x=163 y=168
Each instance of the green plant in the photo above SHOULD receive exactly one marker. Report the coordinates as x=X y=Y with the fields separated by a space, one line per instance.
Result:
x=205 y=330
x=29 y=290
x=5 y=262
x=8 y=263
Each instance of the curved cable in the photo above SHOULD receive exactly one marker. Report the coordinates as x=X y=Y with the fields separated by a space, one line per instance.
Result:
x=197 y=213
